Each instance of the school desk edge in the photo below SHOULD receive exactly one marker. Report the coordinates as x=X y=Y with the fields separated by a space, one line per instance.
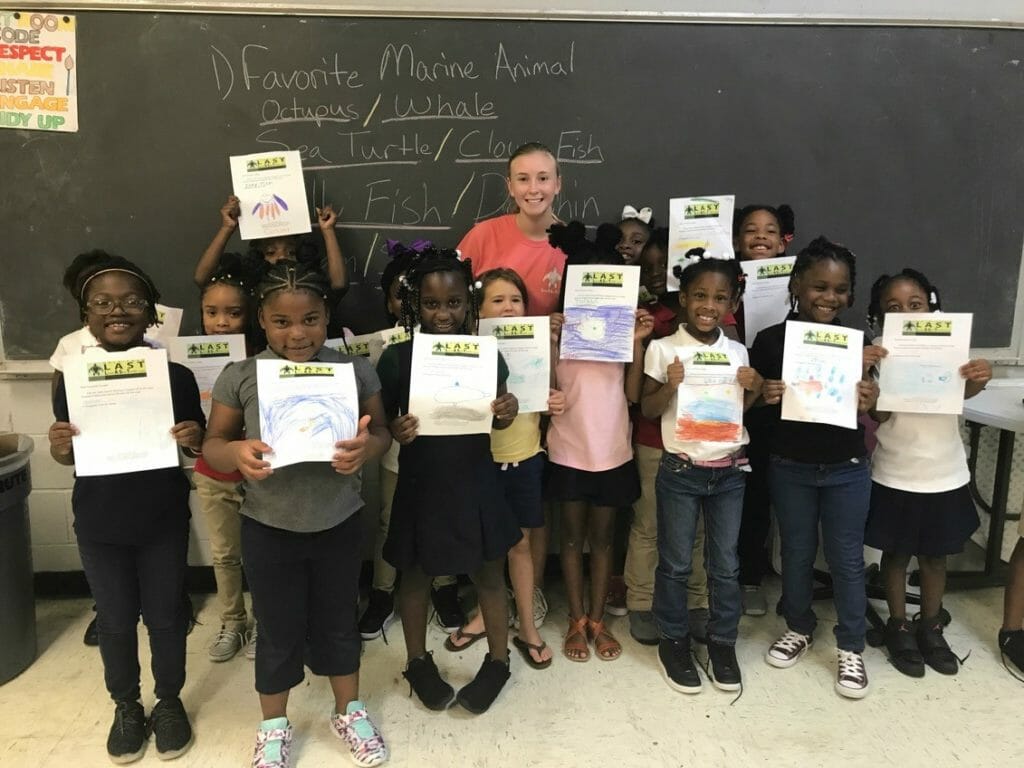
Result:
x=593 y=12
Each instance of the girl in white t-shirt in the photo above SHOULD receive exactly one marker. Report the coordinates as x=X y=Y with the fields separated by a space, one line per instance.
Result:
x=702 y=469
x=920 y=503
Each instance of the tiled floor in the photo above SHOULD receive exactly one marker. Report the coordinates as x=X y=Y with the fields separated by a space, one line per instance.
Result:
x=621 y=713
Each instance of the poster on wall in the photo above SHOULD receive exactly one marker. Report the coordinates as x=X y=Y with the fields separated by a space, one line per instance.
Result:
x=38 y=71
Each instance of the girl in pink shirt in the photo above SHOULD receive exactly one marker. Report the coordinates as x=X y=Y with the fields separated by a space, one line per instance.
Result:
x=591 y=471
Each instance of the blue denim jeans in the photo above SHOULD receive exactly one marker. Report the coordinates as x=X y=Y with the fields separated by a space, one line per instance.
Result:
x=683 y=491
x=836 y=496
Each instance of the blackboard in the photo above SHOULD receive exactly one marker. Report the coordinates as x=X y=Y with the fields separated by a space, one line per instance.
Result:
x=903 y=143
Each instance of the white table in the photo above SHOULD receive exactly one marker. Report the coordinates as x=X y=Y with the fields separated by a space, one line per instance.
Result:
x=1000 y=405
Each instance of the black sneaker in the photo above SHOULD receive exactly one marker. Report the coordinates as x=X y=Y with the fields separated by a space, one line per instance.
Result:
x=677 y=665
x=1011 y=646
x=934 y=648
x=901 y=643
x=428 y=684
x=91 y=637
x=481 y=692
x=723 y=667
x=127 y=738
x=378 y=616
x=171 y=728
x=448 y=607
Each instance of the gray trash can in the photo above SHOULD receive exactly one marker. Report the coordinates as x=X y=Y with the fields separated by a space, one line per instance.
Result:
x=17 y=600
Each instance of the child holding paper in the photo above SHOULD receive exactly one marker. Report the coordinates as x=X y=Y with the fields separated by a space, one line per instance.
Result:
x=920 y=502
x=269 y=251
x=380 y=609
x=520 y=462
x=448 y=513
x=819 y=474
x=134 y=554
x=699 y=471
x=759 y=232
x=301 y=525
x=225 y=301
x=591 y=472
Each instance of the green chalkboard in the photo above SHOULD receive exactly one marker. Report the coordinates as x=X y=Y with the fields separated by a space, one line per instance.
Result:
x=903 y=143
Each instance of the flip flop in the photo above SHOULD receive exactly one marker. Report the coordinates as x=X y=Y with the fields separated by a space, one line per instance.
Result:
x=470 y=637
x=524 y=648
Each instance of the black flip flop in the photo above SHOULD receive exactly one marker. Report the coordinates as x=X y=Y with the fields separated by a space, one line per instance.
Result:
x=524 y=649
x=472 y=637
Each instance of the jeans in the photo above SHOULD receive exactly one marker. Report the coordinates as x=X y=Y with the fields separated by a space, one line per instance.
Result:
x=126 y=580
x=836 y=496
x=683 y=490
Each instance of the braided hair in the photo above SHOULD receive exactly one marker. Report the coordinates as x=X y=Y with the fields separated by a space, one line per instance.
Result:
x=430 y=261
x=292 y=276
x=88 y=265
x=701 y=264
x=783 y=214
x=823 y=249
x=875 y=309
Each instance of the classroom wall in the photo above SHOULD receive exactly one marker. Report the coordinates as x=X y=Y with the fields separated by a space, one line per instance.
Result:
x=25 y=399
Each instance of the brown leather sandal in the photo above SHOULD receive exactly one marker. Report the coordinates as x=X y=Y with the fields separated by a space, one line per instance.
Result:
x=575 y=647
x=605 y=644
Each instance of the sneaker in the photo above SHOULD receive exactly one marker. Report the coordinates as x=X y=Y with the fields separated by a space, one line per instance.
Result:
x=273 y=744
x=448 y=607
x=426 y=681
x=91 y=636
x=902 y=646
x=754 y=601
x=677 y=665
x=483 y=689
x=643 y=628
x=723 y=668
x=378 y=616
x=171 y=728
x=540 y=609
x=851 y=676
x=788 y=649
x=1011 y=646
x=698 y=619
x=356 y=729
x=250 y=643
x=127 y=738
x=615 y=602
x=226 y=644
x=934 y=648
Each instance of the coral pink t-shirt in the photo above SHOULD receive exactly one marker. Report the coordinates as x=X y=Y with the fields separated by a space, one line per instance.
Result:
x=499 y=242
x=593 y=433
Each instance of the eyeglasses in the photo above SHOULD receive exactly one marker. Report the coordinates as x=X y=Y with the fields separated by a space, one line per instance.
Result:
x=131 y=305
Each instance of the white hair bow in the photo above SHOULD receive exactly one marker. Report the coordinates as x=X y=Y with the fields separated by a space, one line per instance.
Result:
x=644 y=214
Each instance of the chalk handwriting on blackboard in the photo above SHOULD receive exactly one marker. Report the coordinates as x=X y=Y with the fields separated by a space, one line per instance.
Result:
x=255 y=77
x=520 y=66
x=401 y=61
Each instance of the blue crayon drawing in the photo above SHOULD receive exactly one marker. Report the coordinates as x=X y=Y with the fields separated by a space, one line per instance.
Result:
x=602 y=333
x=307 y=424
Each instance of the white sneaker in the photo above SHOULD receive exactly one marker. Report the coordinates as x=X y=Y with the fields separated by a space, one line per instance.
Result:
x=355 y=728
x=788 y=649
x=226 y=644
x=250 y=643
x=273 y=744
x=851 y=675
